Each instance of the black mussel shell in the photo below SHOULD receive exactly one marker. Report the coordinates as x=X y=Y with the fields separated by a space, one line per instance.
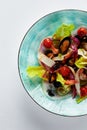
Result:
x=84 y=39
x=64 y=45
x=84 y=42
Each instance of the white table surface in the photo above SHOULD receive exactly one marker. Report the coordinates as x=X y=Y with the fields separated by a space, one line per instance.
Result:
x=17 y=110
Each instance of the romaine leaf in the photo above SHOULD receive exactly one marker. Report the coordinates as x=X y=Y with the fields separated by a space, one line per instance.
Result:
x=64 y=31
x=65 y=88
x=33 y=71
x=80 y=99
x=81 y=62
x=60 y=79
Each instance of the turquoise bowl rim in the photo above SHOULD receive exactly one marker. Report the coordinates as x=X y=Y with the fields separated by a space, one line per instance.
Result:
x=19 y=55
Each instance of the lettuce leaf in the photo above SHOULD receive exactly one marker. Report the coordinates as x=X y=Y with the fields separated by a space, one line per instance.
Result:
x=83 y=53
x=64 y=31
x=60 y=79
x=33 y=71
x=81 y=62
x=65 y=88
x=80 y=99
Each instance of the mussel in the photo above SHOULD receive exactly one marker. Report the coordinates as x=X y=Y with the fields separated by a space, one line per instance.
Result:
x=84 y=42
x=64 y=45
x=84 y=38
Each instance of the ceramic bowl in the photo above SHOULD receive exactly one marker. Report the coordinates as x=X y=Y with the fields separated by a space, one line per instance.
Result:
x=44 y=27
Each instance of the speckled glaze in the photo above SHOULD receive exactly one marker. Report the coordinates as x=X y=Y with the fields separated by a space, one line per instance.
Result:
x=44 y=27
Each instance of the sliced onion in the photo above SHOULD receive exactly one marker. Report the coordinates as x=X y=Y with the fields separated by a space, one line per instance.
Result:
x=42 y=48
x=44 y=59
x=75 y=51
x=76 y=41
x=74 y=93
x=72 y=70
x=77 y=84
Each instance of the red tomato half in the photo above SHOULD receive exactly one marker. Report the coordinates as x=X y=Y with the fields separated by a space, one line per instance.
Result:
x=47 y=42
x=82 y=31
x=83 y=91
x=64 y=71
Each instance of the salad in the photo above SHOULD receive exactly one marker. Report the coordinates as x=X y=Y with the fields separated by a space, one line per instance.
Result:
x=62 y=61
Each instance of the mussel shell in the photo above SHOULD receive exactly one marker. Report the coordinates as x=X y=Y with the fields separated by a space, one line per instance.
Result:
x=84 y=42
x=84 y=39
x=62 y=47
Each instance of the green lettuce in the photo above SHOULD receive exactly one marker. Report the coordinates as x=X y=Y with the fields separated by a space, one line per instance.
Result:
x=81 y=62
x=60 y=79
x=64 y=89
x=80 y=99
x=33 y=71
x=64 y=31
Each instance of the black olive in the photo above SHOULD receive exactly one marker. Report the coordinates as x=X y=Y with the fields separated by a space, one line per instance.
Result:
x=57 y=84
x=64 y=45
x=50 y=92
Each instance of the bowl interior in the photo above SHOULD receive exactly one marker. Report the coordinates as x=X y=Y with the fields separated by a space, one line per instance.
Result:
x=45 y=27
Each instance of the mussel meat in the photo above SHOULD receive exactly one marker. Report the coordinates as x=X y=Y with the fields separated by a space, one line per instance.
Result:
x=64 y=45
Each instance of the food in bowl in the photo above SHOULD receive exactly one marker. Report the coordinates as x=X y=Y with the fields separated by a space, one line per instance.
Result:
x=62 y=61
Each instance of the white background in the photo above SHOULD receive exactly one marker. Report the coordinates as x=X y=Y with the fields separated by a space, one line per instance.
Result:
x=17 y=110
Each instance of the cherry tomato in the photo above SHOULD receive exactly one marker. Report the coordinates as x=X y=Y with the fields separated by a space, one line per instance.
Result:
x=82 y=31
x=64 y=71
x=83 y=91
x=47 y=42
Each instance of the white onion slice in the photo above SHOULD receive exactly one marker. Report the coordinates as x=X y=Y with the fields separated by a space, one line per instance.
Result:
x=72 y=70
x=77 y=85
